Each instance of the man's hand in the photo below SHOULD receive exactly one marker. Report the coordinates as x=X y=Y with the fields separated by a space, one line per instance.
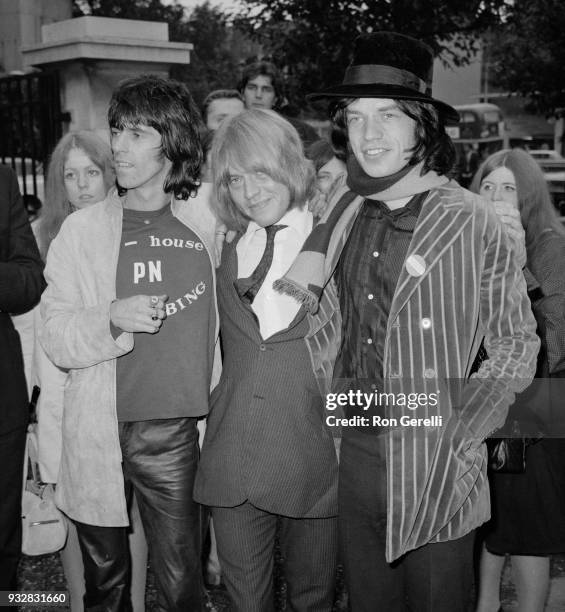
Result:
x=509 y=215
x=318 y=204
x=139 y=313
x=222 y=235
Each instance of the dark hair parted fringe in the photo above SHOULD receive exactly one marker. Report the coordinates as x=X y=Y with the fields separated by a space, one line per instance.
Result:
x=167 y=106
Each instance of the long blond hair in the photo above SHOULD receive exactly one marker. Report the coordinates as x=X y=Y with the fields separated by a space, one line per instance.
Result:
x=259 y=139
x=57 y=207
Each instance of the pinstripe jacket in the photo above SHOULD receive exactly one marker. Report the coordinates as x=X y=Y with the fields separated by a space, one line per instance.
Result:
x=265 y=439
x=459 y=284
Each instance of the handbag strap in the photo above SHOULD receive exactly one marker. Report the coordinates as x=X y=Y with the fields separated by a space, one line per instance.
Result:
x=26 y=459
x=30 y=456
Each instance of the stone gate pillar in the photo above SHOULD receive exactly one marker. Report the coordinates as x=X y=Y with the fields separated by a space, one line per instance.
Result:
x=92 y=54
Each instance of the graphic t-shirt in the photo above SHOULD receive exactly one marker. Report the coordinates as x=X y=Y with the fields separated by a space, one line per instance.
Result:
x=167 y=374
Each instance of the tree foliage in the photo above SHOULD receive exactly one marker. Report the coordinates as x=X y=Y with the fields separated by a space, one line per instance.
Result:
x=146 y=10
x=218 y=48
x=527 y=55
x=312 y=39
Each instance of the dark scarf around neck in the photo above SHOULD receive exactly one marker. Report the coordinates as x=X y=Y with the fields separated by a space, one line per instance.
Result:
x=362 y=184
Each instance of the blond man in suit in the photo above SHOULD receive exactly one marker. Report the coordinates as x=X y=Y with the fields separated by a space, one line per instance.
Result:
x=268 y=464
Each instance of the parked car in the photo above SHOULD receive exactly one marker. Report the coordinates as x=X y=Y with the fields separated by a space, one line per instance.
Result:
x=556 y=183
x=551 y=163
x=546 y=154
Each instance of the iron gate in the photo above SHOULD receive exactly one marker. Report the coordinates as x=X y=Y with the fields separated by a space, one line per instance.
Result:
x=30 y=125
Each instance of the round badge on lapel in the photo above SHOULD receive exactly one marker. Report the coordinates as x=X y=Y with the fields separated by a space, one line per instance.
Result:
x=415 y=265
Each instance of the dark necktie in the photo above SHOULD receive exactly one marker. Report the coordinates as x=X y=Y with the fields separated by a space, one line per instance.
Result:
x=247 y=288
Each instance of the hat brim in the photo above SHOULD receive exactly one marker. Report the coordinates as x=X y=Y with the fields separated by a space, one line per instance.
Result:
x=381 y=90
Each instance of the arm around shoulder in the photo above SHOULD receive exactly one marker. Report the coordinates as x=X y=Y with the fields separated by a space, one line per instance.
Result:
x=510 y=338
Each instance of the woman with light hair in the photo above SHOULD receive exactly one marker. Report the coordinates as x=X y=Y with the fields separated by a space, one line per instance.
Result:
x=63 y=195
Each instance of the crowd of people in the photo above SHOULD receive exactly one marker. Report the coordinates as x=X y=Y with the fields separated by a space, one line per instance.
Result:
x=200 y=286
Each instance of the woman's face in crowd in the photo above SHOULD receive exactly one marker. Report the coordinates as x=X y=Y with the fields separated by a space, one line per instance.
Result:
x=328 y=173
x=84 y=180
x=500 y=186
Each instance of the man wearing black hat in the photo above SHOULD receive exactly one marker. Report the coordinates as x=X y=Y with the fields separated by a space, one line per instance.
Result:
x=424 y=273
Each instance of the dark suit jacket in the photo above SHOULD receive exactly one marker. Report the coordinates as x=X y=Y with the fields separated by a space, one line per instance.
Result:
x=21 y=284
x=265 y=439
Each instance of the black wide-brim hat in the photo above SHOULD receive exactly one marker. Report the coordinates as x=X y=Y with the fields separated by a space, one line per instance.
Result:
x=389 y=65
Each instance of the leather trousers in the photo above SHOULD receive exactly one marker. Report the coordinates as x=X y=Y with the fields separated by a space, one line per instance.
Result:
x=159 y=463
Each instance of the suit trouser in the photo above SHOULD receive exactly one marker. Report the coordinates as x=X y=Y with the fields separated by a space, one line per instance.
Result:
x=159 y=462
x=12 y=447
x=246 y=540
x=433 y=578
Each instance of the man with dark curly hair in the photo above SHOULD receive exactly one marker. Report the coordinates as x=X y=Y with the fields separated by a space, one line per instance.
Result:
x=262 y=86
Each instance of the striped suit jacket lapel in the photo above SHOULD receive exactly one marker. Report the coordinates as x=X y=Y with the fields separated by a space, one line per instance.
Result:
x=437 y=228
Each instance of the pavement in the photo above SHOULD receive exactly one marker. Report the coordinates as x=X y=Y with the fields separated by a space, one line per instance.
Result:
x=557 y=595
x=44 y=573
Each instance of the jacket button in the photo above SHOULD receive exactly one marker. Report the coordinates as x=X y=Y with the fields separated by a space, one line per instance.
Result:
x=262 y=347
x=426 y=323
x=429 y=373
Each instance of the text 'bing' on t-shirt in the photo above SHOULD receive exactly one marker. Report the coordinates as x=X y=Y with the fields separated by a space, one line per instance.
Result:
x=167 y=374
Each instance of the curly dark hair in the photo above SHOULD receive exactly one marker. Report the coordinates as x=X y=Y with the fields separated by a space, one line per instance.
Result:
x=166 y=106
x=267 y=69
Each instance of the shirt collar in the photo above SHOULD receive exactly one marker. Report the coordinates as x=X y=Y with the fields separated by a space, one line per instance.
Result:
x=299 y=219
x=411 y=208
